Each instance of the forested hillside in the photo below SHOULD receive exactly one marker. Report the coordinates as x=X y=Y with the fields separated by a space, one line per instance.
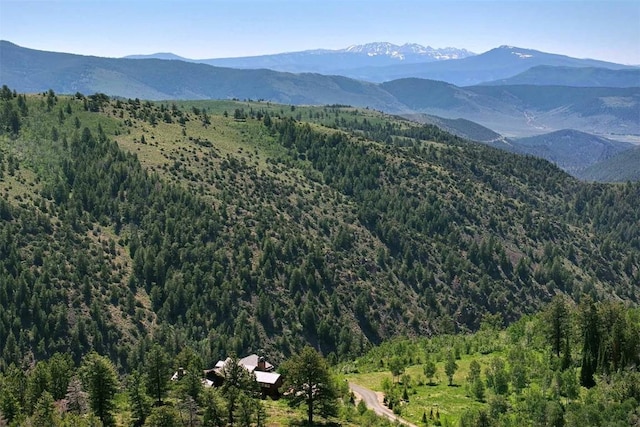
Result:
x=239 y=227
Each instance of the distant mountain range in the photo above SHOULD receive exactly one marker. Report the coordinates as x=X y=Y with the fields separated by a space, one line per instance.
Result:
x=327 y=61
x=498 y=113
x=29 y=70
x=510 y=110
x=499 y=63
x=380 y=62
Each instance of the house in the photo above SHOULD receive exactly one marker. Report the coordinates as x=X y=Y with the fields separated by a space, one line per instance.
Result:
x=269 y=381
x=177 y=375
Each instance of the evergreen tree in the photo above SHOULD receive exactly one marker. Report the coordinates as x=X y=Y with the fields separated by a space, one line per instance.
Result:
x=478 y=389
x=101 y=382
x=44 y=414
x=309 y=379
x=237 y=381
x=557 y=324
x=37 y=383
x=213 y=412
x=60 y=370
x=246 y=411
x=163 y=416
x=190 y=383
x=261 y=414
x=138 y=399
x=591 y=344
x=12 y=385
x=158 y=373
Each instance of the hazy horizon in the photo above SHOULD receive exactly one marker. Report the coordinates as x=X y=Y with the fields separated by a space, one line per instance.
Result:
x=604 y=30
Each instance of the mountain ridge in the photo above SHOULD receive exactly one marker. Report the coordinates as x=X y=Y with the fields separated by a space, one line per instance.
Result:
x=547 y=75
x=495 y=64
x=383 y=61
x=390 y=50
x=510 y=110
x=570 y=149
x=623 y=167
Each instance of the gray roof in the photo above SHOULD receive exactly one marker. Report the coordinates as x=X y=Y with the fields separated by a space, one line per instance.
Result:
x=270 y=378
x=251 y=363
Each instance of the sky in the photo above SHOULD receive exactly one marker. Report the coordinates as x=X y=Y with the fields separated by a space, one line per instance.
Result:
x=607 y=30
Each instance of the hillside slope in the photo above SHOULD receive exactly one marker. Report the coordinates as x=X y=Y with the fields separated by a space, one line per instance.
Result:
x=546 y=75
x=620 y=168
x=240 y=227
x=523 y=110
x=571 y=150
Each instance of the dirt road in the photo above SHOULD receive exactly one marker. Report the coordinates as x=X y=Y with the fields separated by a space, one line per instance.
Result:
x=373 y=401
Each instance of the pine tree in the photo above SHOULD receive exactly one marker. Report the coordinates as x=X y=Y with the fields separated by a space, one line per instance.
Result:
x=163 y=416
x=237 y=380
x=138 y=399
x=591 y=346
x=60 y=369
x=557 y=324
x=309 y=379
x=44 y=414
x=213 y=416
x=37 y=383
x=101 y=382
x=158 y=373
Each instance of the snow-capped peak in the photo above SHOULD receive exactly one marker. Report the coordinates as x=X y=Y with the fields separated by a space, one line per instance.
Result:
x=520 y=53
x=408 y=49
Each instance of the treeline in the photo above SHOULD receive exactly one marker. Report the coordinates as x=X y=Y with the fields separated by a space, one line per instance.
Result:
x=57 y=392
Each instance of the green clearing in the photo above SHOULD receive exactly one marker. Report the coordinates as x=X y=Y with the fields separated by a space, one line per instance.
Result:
x=449 y=401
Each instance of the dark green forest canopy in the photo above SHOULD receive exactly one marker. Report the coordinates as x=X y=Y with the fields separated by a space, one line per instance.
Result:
x=239 y=227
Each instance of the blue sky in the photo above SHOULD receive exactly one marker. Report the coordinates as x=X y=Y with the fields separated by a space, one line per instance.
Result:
x=607 y=30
